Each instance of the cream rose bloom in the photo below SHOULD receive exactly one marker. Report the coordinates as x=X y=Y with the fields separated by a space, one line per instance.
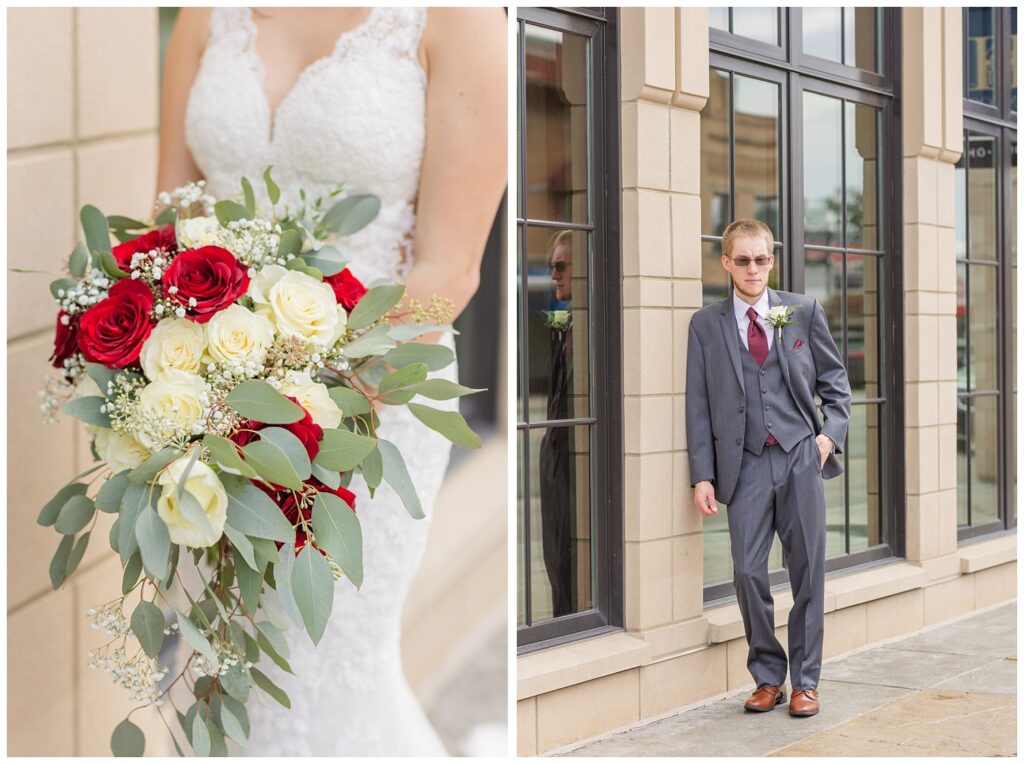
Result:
x=176 y=396
x=300 y=305
x=261 y=284
x=119 y=450
x=199 y=232
x=205 y=487
x=175 y=343
x=312 y=396
x=237 y=334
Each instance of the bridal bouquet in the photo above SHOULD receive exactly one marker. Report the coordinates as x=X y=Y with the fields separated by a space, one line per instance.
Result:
x=229 y=368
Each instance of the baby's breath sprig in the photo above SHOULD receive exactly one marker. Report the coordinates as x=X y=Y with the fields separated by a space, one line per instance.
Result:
x=90 y=290
x=188 y=199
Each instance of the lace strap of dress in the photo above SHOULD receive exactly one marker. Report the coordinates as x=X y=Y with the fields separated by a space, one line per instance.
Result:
x=395 y=29
x=232 y=24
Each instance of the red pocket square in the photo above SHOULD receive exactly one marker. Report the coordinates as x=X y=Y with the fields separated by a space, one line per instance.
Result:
x=798 y=344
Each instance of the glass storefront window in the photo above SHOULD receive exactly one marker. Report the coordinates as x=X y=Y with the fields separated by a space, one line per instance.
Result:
x=847 y=36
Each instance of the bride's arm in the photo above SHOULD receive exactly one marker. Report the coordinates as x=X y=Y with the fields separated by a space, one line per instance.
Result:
x=183 y=53
x=465 y=163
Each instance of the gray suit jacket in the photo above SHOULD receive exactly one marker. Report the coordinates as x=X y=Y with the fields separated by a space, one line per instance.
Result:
x=714 y=386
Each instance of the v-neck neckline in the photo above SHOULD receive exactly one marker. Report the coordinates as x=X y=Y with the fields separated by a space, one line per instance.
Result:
x=274 y=111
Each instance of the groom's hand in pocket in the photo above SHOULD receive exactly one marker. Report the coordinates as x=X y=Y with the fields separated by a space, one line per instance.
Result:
x=704 y=498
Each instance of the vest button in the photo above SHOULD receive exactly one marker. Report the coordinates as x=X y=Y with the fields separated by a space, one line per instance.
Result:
x=738 y=441
x=764 y=389
x=769 y=424
x=762 y=372
x=741 y=409
x=766 y=408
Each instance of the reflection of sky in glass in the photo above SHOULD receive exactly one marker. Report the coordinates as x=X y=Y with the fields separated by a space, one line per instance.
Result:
x=754 y=98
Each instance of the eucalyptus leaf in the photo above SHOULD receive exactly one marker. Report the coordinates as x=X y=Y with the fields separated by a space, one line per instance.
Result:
x=257 y=400
x=313 y=589
x=410 y=331
x=101 y=375
x=407 y=375
x=441 y=389
x=123 y=223
x=114 y=535
x=375 y=303
x=79 y=260
x=109 y=266
x=341 y=450
x=179 y=489
x=352 y=214
x=236 y=683
x=191 y=634
x=436 y=357
x=250 y=197
x=273 y=637
x=338 y=533
x=75 y=515
x=283 y=580
x=148 y=627
x=372 y=468
x=168 y=216
x=127 y=740
x=397 y=476
x=225 y=453
x=77 y=552
x=290 y=243
x=448 y=423
x=51 y=510
x=293 y=448
x=249 y=584
x=243 y=546
x=87 y=409
x=97 y=234
x=276 y=657
x=130 y=577
x=272 y=464
x=270 y=688
x=328 y=260
x=148 y=470
x=61 y=284
x=59 y=563
x=200 y=736
x=330 y=478
x=233 y=726
x=192 y=511
x=228 y=211
x=136 y=498
x=154 y=543
x=255 y=514
x=376 y=342
x=273 y=192
x=265 y=551
x=351 y=402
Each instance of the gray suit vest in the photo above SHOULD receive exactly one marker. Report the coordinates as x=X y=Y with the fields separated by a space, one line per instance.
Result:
x=770 y=407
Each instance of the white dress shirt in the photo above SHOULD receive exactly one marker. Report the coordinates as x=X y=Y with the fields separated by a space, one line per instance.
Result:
x=739 y=307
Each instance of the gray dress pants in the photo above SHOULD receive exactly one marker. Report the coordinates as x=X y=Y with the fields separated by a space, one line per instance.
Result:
x=780 y=492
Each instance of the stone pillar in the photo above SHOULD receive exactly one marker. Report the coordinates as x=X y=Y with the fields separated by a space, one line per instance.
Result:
x=664 y=85
x=932 y=98
x=82 y=89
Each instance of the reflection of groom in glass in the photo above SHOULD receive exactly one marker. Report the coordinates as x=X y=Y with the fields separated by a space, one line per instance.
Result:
x=556 y=481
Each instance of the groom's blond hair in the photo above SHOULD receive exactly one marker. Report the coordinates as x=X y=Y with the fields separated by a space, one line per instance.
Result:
x=746 y=228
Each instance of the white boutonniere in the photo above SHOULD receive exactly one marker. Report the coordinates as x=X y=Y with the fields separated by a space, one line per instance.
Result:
x=780 y=316
x=559 y=320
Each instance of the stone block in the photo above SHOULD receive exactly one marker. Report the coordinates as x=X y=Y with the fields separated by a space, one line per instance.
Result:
x=526 y=727
x=922 y=404
x=119 y=175
x=40 y=671
x=845 y=630
x=648 y=576
x=692 y=60
x=686 y=256
x=685 y=517
x=687 y=577
x=585 y=710
x=947 y=456
x=919 y=198
x=948 y=599
x=687 y=293
x=654 y=241
x=117 y=54
x=677 y=682
x=920 y=261
x=892 y=616
x=39 y=95
x=995 y=584
x=922 y=459
x=40 y=236
x=40 y=461
x=684 y=126
x=652 y=134
x=648 y=501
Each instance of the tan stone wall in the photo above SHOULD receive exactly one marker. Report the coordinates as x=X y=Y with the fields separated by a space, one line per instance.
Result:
x=82 y=127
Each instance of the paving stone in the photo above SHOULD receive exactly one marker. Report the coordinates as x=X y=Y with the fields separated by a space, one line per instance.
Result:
x=893 y=667
x=931 y=722
x=998 y=678
x=997 y=639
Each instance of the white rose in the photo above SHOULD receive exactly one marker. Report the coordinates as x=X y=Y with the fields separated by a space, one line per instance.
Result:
x=175 y=396
x=175 y=343
x=301 y=305
x=199 y=232
x=236 y=334
x=261 y=284
x=314 y=397
x=205 y=487
x=119 y=450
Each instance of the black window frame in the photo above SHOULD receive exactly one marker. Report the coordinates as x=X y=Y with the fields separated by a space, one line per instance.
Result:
x=798 y=73
x=998 y=121
x=607 y=460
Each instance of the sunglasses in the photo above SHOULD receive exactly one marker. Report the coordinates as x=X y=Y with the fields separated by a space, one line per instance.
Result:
x=559 y=267
x=761 y=261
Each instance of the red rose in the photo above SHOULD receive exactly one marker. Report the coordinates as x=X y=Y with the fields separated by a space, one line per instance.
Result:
x=211 y=276
x=112 y=331
x=65 y=344
x=348 y=290
x=163 y=238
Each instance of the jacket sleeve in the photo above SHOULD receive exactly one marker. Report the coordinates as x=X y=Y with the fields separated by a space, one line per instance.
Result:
x=699 y=440
x=833 y=384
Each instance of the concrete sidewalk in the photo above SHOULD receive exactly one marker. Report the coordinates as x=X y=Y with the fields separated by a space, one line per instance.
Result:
x=949 y=690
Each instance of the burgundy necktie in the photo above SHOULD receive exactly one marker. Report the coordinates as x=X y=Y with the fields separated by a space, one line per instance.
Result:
x=757 y=344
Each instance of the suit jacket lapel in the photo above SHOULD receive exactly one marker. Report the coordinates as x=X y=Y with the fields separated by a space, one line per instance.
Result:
x=732 y=339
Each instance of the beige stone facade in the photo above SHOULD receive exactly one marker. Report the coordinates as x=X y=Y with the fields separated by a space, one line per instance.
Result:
x=673 y=651
x=83 y=128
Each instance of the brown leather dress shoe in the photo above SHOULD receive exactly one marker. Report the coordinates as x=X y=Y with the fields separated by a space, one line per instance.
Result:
x=804 y=703
x=766 y=697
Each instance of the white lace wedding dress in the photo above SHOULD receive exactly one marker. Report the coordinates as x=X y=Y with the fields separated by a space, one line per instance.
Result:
x=356 y=116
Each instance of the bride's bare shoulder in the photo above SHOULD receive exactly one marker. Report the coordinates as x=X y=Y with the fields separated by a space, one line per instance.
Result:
x=192 y=27
x=455 y=30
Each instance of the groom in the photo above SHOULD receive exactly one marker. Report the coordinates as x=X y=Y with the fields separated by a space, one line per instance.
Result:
x=756 y=445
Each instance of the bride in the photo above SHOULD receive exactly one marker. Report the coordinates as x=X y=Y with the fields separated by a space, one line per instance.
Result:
x=408 y=104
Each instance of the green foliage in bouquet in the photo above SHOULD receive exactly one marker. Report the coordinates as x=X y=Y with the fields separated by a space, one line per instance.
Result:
x=238 y=464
